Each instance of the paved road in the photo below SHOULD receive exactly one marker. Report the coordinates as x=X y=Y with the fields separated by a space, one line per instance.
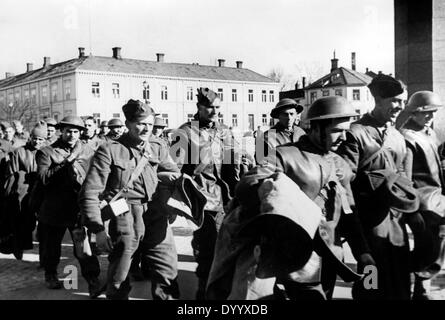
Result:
x=21 y=280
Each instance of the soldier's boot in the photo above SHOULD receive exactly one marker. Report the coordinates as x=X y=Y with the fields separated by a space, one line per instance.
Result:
x=52 y=282
x=95 y=287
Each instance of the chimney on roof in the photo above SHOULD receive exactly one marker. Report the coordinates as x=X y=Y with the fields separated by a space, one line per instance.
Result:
x=160 y=57
x=334 y=63
x=221 y=62
x=117 y=53
x=297 y=85
x=304 y=82
x=239 y=64
x=81 y=52
x=46 y=62
x=8 y=75
x=29 y=67
x=380 y=72
x=353 y=61
x=367 y=70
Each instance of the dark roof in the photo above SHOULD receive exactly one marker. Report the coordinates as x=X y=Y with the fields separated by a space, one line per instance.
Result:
x=164 y=69
x=341 y=77
x=292 y=94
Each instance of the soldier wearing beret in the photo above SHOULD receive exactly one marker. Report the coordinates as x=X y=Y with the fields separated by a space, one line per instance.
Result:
x=288 y=112
x=61 y=170
x=110 y=171
x=206 y=153
x=373 y=144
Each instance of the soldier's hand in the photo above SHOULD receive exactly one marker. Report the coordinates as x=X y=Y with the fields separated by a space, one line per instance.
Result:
x=103 y=242
x=75 y=152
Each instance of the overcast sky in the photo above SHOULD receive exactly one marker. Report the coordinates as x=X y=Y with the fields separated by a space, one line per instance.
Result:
x=298 y=36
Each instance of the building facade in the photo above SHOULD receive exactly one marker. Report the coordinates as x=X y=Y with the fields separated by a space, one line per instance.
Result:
x=99 y=86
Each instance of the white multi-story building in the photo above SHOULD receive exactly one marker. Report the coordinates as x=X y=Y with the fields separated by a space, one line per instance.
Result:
x=100 y=86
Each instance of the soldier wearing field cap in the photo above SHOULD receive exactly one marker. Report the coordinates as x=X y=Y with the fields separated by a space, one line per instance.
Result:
x=62 y=168
x=116 y=129
x=207 y=148
x=113 y=165
x=51 y=124
x=373 y=146
x=288 y=112
x=425 y=169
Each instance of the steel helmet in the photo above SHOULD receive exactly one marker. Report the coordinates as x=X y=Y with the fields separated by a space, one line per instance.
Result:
x=285 y=103
x=71 y=121
x=115 y=123
x=50 y=122
x=104 y=124
x=423 y=101
x=330 y=108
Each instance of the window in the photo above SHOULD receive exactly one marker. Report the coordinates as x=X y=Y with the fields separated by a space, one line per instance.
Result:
x=264 y=119
x=116 y=115
x=250 y=95
x=339 y=92
x=356 y=94
x=10 y=98
x=68 y=112
x=146 y=91
x=164 y=93
x=33 y=96
x=221 y=118
x=45 y=113
x=271 y=96
x=17 y=97
x=263 y=96
x=54 y=88
x=313 y=96
x=234 y=95
x=251 y=119
x=190 y=117
x=115 y=90
x=67 y=89
x=2 y=100
x=325 y=93
x=220 y=94
x=189 y=94
x=95 y=90
x=44 y=94
x=26 y=96
x=56 y=117
x=165 y=117
x=234 y=120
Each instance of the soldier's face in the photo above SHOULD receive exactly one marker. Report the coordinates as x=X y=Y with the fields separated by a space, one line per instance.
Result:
x=18 y=127
x=91 y=127
x=70 y=135
x=37 y=142
x=51 y=131
x=330 y=136
x=288 y=117
x=140 y=130
x=116 y=131
x=9 y=134
x=424 y=119
x=208 y=114
x=388 y=109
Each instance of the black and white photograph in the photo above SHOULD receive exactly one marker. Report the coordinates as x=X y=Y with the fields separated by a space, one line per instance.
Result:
x=222 y=154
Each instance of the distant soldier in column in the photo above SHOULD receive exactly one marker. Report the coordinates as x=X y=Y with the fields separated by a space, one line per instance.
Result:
x=116 y=129
x=288 y=113
x=103 y=129
x=62 y=168
x=159 y=127
x=11 y=138
x=51 y=124
x=89 y=135
x=20 y=132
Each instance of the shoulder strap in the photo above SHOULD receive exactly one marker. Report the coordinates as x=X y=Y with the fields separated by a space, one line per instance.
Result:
x=134 y=175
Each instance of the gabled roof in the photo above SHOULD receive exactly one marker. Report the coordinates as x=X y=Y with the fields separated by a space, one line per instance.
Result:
x=163 y=69
x=341 y=77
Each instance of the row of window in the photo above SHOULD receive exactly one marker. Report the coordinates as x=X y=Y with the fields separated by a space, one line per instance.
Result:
x=30 y=94
x=337 y=92
x=251 y=118
x=95 y=90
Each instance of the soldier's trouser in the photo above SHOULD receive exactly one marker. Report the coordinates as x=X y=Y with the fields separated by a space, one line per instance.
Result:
x=203 y=244
x=126 y=231
x=161 y=261
x=51 y=244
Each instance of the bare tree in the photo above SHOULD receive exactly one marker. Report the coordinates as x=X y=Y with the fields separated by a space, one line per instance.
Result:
x=17 y=111
x=277 y=74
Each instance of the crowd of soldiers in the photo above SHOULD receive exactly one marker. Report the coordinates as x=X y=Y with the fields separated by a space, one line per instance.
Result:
x=267 y=226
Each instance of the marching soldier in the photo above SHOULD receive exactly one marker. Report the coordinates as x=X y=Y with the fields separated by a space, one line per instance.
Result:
x=51 y=124
x=208 y=153
x=115 y=129
x=125 y=172
x=325 y=178
x=374 y=145
x=424 y=167
x=288 y=113
x=20 y=132
x=61 y=170
x=89 y=136
x=103 y=129
x=159 y=127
